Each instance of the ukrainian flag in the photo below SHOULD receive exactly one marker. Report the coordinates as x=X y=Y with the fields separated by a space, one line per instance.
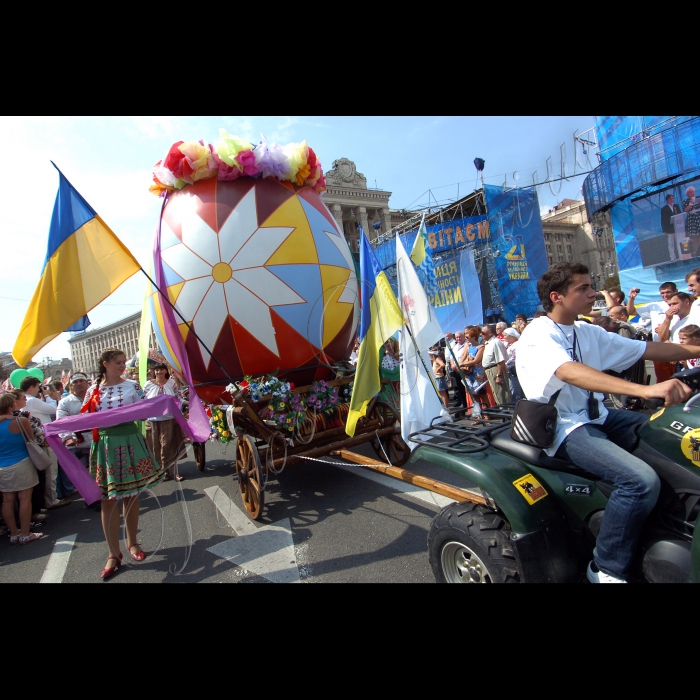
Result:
x=380 y=318
x=85 y=262
x=423 y=259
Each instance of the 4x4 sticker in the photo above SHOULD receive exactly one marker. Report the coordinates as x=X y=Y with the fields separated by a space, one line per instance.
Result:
x=690 y=445
x=579 y=489
x=530 y=489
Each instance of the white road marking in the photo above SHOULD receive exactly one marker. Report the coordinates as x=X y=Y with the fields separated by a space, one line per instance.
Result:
x=58 y=561
x=266 y=551
x=238 y=520
x=434 y=499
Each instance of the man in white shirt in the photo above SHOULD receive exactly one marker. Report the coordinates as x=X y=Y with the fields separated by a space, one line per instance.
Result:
x=494 y=364
x=677 y=315
x=560 y=353
x=45 y=414
x=38 y=408
x=693 y=281
x=78 y=443
x=457 y=349
x=651 y=316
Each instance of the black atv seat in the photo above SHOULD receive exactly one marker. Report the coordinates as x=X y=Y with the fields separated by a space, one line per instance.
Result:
x=501 y=440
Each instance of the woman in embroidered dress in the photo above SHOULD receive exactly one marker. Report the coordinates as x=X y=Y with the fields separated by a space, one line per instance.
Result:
x=164 y=435
x=119 y=458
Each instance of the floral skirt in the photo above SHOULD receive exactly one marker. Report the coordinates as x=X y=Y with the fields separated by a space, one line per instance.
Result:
x=121 y=463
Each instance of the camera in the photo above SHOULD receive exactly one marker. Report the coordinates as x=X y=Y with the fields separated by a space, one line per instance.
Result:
x=637 y=289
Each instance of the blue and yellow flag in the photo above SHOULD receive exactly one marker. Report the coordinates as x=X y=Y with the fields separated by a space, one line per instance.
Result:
x=85 y=262
x=422 y=258
x=380 y=318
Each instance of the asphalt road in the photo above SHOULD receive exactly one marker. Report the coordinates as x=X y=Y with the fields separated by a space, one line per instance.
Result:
x=322 y=523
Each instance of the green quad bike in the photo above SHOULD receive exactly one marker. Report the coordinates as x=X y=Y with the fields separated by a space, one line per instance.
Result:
x=542 y=514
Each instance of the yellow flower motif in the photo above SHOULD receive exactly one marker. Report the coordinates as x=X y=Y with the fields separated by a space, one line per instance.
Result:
x=297 y=156
x=229 y=147
x=302 y=174
x=200 y=159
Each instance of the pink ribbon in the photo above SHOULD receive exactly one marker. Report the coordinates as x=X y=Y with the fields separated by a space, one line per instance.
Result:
x=79 y=476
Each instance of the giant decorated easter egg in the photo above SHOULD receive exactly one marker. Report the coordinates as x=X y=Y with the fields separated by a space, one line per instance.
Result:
x=261 y=279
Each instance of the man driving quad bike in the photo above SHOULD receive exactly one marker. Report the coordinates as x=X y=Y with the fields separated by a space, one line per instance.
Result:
x=557 y=352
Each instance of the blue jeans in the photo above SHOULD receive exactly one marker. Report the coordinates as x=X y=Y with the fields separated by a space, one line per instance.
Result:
x=603 y=450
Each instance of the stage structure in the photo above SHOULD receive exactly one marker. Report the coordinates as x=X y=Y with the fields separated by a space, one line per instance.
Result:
x=488 y=252
x=649 y=172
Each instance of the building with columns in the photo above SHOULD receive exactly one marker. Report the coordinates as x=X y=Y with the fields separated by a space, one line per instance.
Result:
x=352 y=204
x=569 y=237
x=87 y=347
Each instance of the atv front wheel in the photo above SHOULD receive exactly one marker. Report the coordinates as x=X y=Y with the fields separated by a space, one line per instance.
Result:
x=469 y=543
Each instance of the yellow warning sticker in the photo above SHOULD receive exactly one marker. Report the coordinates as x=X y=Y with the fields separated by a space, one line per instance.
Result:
x=690 y=444
x=530 y=489
x=657 y=414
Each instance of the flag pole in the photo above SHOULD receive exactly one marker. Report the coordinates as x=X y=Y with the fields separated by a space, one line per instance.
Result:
x=428 y=372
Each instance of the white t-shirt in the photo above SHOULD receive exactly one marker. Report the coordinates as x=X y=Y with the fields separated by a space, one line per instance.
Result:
x=653 y=315
x=694 y=313
x=676 y=326
x=40 y=409
x=494 y=352
x=546 y=346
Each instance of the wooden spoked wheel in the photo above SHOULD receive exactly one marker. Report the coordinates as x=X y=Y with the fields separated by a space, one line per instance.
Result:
x=397 y=451
x=250 y=476
x=200 y=456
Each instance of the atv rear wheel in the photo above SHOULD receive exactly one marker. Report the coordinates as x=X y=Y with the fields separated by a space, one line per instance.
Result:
x=469 y=543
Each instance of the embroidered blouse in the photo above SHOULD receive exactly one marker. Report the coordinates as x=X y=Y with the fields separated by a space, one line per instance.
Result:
x=124 y=394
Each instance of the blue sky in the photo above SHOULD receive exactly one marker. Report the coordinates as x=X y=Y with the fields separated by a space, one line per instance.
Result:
x=109 y=161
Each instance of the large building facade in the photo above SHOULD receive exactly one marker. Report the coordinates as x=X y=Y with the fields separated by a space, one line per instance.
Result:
x=87 y=347
x=353 y=205
x=569 y=237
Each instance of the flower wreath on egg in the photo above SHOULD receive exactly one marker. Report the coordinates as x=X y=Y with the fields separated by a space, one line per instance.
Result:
x=232 y=157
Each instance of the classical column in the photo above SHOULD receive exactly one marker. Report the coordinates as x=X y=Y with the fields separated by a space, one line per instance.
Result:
x=362 y=216
x=338 y=215
x=386 y=219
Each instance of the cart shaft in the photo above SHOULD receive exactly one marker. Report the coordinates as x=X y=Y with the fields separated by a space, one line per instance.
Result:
x=443 y=489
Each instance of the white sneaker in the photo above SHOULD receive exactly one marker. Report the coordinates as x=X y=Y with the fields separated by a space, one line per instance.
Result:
x=595 y=575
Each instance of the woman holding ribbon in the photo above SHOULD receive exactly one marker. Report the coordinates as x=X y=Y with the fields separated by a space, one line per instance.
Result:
x=164 y=435
x=120 y=461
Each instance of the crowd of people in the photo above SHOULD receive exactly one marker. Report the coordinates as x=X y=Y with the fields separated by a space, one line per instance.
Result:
x=478 y=364
x=120 y=459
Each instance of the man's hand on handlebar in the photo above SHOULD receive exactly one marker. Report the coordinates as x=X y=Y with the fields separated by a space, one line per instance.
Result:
x=672 y=392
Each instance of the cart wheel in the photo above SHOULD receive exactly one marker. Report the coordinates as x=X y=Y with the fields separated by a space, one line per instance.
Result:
x=396 y=449
x=198 y=448
x=249 y=474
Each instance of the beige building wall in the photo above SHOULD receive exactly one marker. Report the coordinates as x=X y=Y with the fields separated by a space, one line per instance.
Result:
x=87 y=347
x=568 y=237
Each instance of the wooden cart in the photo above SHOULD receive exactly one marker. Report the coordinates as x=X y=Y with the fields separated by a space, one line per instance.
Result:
x=262 y=451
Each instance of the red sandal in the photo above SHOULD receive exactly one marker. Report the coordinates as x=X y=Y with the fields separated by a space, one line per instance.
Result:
x=139 y=556
x=109 y=570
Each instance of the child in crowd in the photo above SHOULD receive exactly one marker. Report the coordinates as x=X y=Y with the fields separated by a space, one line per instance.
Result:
x=690 y=335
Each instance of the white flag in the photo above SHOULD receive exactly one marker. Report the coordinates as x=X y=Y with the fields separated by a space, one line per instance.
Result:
x=420 y=402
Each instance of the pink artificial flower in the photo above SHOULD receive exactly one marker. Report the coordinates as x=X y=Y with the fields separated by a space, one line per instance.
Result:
x=247 y=160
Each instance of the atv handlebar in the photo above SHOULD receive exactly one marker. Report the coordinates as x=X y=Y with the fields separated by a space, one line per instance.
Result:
x=691 y=378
